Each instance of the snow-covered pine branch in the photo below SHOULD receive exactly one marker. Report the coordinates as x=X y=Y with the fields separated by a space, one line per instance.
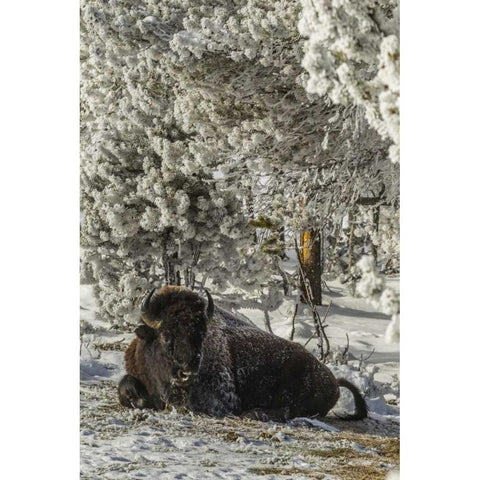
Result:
x=352 y=54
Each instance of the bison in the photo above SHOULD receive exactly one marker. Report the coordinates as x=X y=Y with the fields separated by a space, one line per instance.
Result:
x=189 y=353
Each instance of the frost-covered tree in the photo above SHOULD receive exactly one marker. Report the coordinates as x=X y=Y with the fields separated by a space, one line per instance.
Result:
x=151 y=209
x=195 y=121
x=352 y=54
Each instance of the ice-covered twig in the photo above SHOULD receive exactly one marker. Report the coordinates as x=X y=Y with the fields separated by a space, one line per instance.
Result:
x=323 y=325
x=364 y=359
x=347 y=346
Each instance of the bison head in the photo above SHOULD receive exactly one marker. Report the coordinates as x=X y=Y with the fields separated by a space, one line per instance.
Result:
x=179 y=318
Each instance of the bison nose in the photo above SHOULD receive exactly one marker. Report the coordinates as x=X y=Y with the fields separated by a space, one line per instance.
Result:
x=183 y=375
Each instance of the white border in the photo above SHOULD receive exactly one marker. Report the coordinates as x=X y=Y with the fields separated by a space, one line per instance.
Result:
x=439 y=238
x=39 y=240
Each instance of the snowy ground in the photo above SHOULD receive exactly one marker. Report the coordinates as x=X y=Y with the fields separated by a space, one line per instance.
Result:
x=119 y=443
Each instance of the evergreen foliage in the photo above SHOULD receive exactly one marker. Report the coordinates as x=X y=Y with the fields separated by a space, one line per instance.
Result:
x=208 y=141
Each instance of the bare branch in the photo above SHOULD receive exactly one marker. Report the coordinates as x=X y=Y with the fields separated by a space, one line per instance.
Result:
x=324 y=351
x=292 y=333
x=364 y=359
x=268 y=327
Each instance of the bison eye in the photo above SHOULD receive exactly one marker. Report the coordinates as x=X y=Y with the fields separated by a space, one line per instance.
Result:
x=164 y=337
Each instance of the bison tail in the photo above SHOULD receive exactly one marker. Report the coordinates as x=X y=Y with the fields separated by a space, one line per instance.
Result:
x=361 y=409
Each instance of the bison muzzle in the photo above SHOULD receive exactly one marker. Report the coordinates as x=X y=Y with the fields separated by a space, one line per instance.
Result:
x=190 y=354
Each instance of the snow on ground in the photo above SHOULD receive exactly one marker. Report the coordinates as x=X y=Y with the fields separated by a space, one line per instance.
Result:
x=119 y=443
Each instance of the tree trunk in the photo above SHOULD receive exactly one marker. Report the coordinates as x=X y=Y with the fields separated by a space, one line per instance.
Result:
x=311 y=258
x=249 y=205
x=172 y=276
x=350 y=241
x=376 y=219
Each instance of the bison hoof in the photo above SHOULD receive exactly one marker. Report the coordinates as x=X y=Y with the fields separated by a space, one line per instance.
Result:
x=256 y=414
x=132 y=393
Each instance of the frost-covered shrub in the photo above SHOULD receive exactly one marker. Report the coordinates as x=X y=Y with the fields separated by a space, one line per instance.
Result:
x=86 y=328
x=378 y=394
x=392 y=334
x=372 y=287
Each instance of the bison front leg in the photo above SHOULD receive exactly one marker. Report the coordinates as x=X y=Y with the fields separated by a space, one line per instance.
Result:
x=133 y=393
x=214 y=393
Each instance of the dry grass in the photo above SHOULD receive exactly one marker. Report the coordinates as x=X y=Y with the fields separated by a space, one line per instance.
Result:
x=359 y=472
x=351 y=464
x=389 y=447
x=340 y=453
x=287 y=472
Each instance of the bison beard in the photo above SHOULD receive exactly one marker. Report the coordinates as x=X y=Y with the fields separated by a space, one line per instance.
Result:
x=210 y=361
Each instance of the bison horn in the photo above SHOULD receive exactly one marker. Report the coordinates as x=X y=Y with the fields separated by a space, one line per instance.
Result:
x=145 y=311
x=210 y=306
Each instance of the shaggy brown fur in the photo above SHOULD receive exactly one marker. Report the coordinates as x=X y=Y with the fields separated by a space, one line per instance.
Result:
x=221 y=365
